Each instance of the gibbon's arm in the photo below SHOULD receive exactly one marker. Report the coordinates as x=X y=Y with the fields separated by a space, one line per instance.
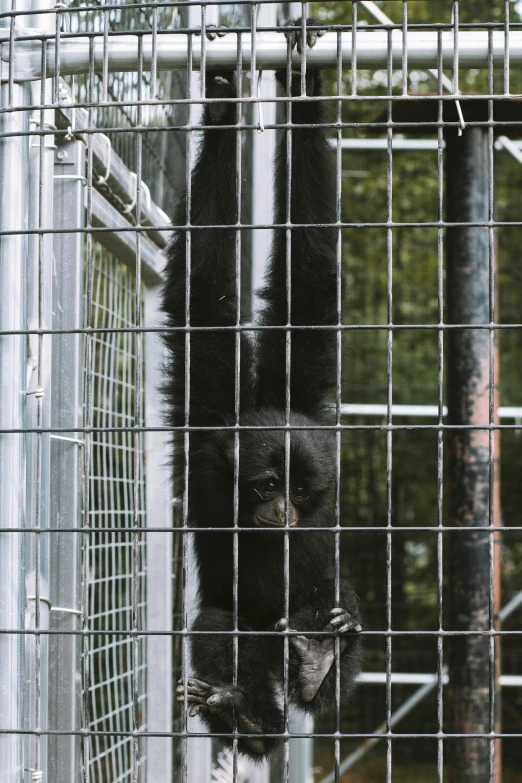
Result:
x=213 y=296
x=313 y=266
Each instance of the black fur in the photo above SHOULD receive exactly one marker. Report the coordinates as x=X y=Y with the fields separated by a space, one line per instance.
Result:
x=213 y=302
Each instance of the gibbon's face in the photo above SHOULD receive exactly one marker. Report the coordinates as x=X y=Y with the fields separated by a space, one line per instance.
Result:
x=263 y=494
x=270 y=503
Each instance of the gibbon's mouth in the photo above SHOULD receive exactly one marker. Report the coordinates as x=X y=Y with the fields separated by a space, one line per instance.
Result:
x=263 y=522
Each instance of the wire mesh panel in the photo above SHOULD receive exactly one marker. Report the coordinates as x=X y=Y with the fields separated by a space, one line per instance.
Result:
x=110 y=555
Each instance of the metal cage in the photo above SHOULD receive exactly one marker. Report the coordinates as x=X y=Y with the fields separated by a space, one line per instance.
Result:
x=99 y=124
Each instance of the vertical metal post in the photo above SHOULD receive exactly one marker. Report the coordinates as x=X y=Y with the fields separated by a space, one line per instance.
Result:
x=263 y=152
x=38 y=290
x=467 y=297
x=300 y=750
x=158 y=488
x=13 y=259
x=66 y=461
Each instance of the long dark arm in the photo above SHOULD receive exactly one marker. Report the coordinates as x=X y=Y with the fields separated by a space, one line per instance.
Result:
x=213 y=297
x=313 y=267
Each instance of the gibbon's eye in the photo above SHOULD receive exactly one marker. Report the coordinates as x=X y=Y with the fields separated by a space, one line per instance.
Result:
x=267 y=487
x=299 y=493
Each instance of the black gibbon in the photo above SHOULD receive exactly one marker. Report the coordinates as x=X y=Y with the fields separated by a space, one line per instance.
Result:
x=255 y=704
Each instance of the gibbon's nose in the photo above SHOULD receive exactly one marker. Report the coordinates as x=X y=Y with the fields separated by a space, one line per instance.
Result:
x=292 y=516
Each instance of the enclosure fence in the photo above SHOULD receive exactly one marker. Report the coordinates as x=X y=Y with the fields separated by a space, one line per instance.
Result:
x=99 y=126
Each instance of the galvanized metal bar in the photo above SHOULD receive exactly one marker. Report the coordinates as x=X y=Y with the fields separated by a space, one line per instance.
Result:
x=123 y=243
x=389 y=390
x=115 y=178
x=171 y=51
x=196 y=751
x=14 y=165
x=66 y=459
x=440 y=436
x=39 y=391
x=87 y=453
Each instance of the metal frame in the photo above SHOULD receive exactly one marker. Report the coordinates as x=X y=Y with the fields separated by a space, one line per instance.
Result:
x=170 y=51
x=30 y=428
x=66 y=457
x=13 y=169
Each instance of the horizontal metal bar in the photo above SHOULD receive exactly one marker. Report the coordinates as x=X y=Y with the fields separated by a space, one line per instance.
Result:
x=271 y=51
x=123 y=244
x=115 y=175
x=415 y=410
x=510 y=606
x=231 y=735
x=245 y=100
x=249 y=226
x=398 y=678
x=261 y=328
x=253 y=531
x=367 y=145
x=124 y=633
x=278 y=428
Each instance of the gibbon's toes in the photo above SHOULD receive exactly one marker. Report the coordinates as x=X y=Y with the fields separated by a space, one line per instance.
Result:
x=281 y=624
x=342 y=621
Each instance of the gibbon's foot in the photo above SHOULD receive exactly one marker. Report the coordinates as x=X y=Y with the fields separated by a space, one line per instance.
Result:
x=313 y=32
x=317 y=655
x=221 y=84
x=226 y=702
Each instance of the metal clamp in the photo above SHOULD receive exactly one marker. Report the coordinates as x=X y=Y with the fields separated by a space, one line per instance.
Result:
x=77 y=177
x=77 y=441
x=39 y=392
x=131 y=206
x=54 y=608
x=103 y=180
x=145 y=187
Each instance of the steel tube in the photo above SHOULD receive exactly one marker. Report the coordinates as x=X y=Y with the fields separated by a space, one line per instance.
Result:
x=467 y=292
x=66 y=459
x=13 y=258
x=172 y=51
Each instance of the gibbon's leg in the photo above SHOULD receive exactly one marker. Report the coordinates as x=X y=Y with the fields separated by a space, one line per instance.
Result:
x=314 y=277
x=254 y=702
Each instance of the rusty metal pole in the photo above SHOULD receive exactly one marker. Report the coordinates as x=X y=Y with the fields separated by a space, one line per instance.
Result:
x=467 y=299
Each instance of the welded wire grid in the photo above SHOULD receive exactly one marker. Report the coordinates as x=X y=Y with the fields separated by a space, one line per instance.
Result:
x=114 y=599
x=110 y=556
